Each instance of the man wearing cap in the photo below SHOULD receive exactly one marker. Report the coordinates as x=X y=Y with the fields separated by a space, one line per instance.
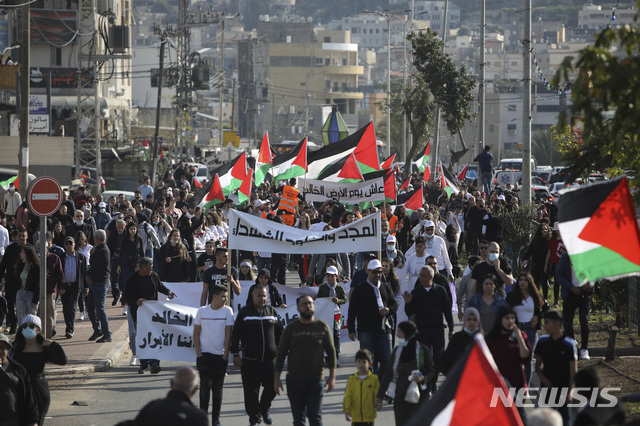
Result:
x=331 y=288
x=372 y=305
x=17 y=404
x=74 y=267
x=393 y=253
x=102 y=217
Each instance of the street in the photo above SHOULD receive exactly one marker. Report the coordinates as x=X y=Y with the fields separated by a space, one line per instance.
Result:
x=119 y=393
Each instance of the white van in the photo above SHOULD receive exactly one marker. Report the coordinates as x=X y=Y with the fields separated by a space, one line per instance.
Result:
x=515 y=164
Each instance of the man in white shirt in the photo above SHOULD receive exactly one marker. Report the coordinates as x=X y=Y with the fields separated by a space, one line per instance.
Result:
x=416 y=261
x=211 y=340
x=436 y=247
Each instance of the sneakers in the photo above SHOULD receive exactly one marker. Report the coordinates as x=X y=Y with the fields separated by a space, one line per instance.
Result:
x=155 y=369
x=584 y=354
x=115 y=301
x=95 y=335
x=556 y=304
x=68 y=335
x=124 y=310
x=104 y=339
x=266 y=418
x=143 y=370
x=134 y=361
x=81 y=316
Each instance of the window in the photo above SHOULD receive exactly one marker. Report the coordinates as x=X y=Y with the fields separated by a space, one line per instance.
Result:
x=512 y=108
x=56 y=56
x=319 y=61
x=377 y=30
x=327 y=61
x=327 y=39
x=511 y=126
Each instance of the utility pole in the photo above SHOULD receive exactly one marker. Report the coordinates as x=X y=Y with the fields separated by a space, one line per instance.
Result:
x=233 y=104
x=222 y=81
x=436 y=138
x=163 y=33
x=25 y=84
x=526 y=110
x=482 y=89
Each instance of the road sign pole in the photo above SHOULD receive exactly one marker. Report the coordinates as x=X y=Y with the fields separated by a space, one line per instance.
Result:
x=43 y=273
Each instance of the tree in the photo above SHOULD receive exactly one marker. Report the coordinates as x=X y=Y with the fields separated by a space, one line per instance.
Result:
x=544 y=148
x=451 y=87
x=606 y=95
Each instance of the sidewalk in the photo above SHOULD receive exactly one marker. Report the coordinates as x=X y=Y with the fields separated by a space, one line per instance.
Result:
x=84 y=356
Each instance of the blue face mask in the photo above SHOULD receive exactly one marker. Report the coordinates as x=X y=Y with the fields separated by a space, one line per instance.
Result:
x=493 y=257
x=402 y=342
x=29 y=333
x=466 y=330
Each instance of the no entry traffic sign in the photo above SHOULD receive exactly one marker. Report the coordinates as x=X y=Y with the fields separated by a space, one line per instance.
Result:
x=44 y=196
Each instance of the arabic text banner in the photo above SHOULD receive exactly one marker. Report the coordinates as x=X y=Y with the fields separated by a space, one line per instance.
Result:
x=344 y=192
x=165 y=330
x=251 y=233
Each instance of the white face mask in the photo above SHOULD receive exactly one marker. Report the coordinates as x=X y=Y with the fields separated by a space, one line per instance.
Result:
x=79 y=222
x=430 y=237
x=493 y=257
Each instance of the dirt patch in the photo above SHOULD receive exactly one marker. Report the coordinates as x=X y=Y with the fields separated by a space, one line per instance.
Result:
x=623 y=373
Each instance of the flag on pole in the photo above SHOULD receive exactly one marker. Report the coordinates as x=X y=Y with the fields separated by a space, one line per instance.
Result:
x=244 y=193
x=406 y=184
x=599 y=228
x=463 y=173
x=232 y=174
x=390 y=186
x=447 y=181
x=350 y=172
x=5 y=183
x=386 y=164
x=427 y=173
x=423 y=162
x=291 y=164
x=414 y=200
x=264 y=161
x=209 y=195
x=197 y=183
x=473 y=394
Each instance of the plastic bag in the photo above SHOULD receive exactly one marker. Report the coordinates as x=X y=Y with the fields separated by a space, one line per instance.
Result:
x=413 y=393
x=391 y=390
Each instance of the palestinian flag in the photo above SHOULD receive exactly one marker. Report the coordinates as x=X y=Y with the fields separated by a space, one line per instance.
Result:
x=463 y=173
x=389 y=186
x=232 y=174
x=197 y=183
x=423 y=162
x=427 y=173
x=406 y=184
x=467 y=395
x=366 y=154
x=244 y=193
x=209 y=195
x=350 y=172
x=447 y=181
x=386 y=164
x=599 y=227
x=263 y=163
x=5 y=183
x=411 y=200
x=291 y=164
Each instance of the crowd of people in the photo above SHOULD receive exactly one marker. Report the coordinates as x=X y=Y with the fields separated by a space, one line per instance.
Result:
x=129 y=248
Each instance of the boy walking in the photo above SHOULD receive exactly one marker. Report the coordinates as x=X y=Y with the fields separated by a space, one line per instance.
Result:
x=362 y=388
x=211 y=339
x=556 y=359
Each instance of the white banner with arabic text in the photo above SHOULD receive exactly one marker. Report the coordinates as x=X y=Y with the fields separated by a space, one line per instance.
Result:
x=344 y=192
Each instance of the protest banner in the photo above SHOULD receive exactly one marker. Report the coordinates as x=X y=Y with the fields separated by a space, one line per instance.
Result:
x=343 y=192
x=252 y=233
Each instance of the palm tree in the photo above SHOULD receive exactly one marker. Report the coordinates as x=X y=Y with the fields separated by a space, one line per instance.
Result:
x=543 y=148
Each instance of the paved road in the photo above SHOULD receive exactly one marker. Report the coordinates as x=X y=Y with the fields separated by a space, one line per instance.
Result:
x=119 y=393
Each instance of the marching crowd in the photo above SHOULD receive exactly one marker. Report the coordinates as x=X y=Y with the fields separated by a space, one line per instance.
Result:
x=128 y=248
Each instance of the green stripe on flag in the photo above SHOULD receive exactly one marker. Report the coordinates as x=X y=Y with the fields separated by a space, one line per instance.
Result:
x=293 y=171
x=5 y=183
x=601 y=262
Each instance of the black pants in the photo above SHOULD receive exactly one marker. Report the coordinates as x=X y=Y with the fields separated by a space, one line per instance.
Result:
x=254 y=375
x=541 y=278
x=10 y=295
x=582 y=303
x=279 y=268
x=434 y=340
x=212 y=369
x=69 y=304
x=42 y=396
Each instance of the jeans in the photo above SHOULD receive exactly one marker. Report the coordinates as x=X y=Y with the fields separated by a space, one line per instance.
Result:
x=255 y=374
x=95 y=308
x=305 y=397
x=116 y=279
x=263 y=263
x=212 y=369
x=69 y=299
x=23 y=304
x=486 y=181
x=380 y=346
x=532 y=335
x=581 y=302
x=127 y=267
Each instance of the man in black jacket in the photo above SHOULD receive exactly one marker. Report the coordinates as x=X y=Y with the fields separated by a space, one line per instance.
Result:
x=176 y=409
x=426 y=306
x=9 y=260
x=80 y=225
x=259 y=328
x=98 y=280
x=372 y=304
x=140 y=286
x=74 y=267
x=17 y=405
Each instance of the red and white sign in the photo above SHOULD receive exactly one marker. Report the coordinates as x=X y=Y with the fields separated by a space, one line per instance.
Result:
x=44 y=196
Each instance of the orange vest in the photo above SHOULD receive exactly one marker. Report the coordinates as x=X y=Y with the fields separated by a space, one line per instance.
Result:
x=289 y=199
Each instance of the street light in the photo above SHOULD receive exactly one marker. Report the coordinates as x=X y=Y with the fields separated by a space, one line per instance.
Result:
x=223 y=18
x=386 y=15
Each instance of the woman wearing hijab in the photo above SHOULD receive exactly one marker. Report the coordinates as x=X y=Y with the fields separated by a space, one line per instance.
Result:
x=461 y=340
x=406 y=358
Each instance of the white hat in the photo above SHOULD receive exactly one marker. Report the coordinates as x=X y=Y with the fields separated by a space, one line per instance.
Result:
x=420 y=209
x=391 y=239
x=332 y=270
x=102 y=205
x=501 y=197
x=374 y=264
x=258 y=203
x=32 y=319
x=170 y=191
x=428 y=223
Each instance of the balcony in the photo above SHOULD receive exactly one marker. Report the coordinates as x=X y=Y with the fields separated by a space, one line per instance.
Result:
x=344 y=69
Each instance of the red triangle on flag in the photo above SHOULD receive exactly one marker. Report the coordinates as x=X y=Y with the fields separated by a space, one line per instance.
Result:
x=427 y=173
x=443 y=180
x=415 y=201
x=265 y=156
x=215 y=194
x=145 y=143
x=161 y=152
x=390 y=185
x=386 y=164
x=196 y=183
x=367 y=152
x=406 y=184
x=350 y=170
x=614 y=226
x=301 y=158
x=16 y=183
x=245 y=188
x=427 y=149
x=463 y=173
x=239 y=170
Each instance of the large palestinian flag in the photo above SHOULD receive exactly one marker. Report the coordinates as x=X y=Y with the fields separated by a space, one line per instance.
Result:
x=263 y=163
x=232 y=173
x=599 y=227
x=291 y=164
x=467 y=395
x=209 y=195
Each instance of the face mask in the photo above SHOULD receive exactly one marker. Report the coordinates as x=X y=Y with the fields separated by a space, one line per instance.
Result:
x=173 y=243
x=156 y=221
x=402 y=342
x=86 y=192
x=466 y=330
x=79 y=222
x=29 y=333
x=391 y=249
x=12 y=189
x=493 y=257
x=430 y=237
x=102 y=210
